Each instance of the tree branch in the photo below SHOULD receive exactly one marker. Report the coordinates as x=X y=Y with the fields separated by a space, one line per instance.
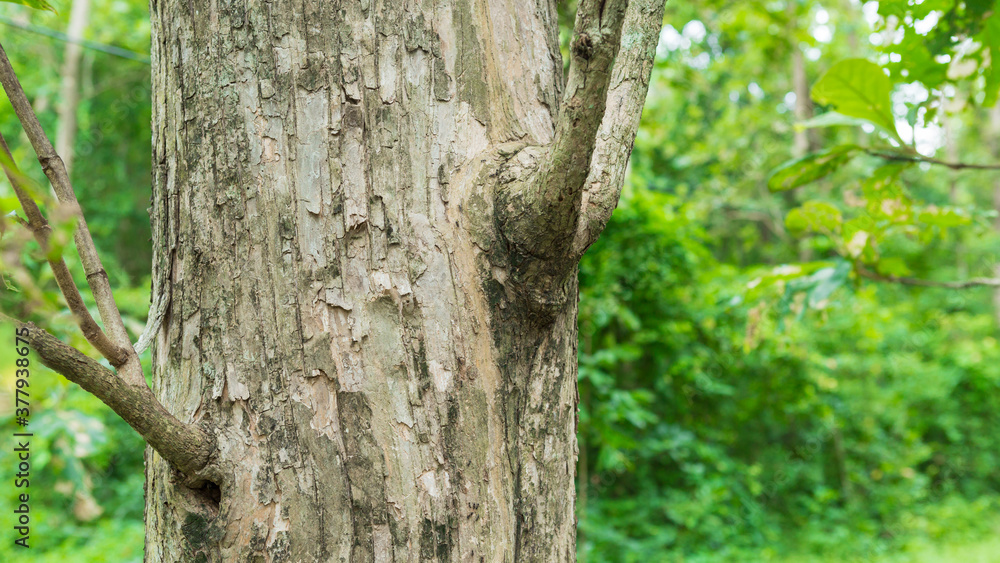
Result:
x=539 y=213
x=186 y=446
x=626 y=96
x=965 y=284
x=55 y=171
x=40 y=228
x=929 y=160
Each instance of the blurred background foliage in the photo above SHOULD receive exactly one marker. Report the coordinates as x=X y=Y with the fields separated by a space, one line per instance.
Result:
x=748 y=393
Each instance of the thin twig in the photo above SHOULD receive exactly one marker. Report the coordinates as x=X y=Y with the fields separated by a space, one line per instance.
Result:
x=929 y=160
x=59 y=36
x=964 y=284
x=97 y=277
x=41 y=229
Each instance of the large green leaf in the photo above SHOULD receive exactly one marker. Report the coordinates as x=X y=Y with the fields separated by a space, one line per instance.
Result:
x=810 y=167
x=858 y=88
x=36 y=4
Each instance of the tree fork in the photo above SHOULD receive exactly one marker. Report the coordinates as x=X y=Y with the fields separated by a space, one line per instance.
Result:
x=539 y=212
x=366 y=220
x=41 y=230
x=555 y=208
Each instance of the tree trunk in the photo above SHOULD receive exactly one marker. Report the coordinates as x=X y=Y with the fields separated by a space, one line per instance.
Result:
x=69 y=90
x=388 y=366
x=805 y=139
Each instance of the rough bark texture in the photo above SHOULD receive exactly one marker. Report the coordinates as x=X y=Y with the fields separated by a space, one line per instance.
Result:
x=345 y=309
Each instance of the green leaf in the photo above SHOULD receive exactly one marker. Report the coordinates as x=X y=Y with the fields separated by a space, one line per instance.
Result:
x=830 y=119
x=36 y=4
x=883 y=183
x=810 y=167
x=816 y=216
x=944 y=217
x=858 y=88
x=817 y=287
x=826 y=281
x=30 y=187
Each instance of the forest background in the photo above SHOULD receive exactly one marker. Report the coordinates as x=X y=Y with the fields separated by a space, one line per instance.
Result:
x=767 y=372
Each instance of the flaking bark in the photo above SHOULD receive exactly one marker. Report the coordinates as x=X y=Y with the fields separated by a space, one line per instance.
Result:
x=351 y=303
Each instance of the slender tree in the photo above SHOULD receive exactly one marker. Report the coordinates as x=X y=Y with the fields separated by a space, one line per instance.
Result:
x=367 y=218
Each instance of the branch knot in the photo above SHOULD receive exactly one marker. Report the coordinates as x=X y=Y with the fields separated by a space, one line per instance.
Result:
x=583 y=46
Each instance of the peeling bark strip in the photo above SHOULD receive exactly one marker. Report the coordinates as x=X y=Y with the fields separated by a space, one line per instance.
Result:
x=365 y=215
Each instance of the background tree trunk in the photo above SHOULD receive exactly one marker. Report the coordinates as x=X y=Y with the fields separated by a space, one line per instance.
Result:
x=69 y=90
x=319 y=222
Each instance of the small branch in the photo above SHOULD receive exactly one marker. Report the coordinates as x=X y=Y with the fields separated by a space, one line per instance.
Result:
x=596 y=41
x=41 y=230
x=55 y=171
x=929 y=160
x=186 y=446
x=965 y=284
x=626 y=96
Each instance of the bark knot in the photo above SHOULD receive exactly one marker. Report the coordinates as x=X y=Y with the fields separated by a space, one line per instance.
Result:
x=583 y=46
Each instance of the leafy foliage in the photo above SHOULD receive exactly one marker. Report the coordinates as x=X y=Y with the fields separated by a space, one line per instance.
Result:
x=719 y=421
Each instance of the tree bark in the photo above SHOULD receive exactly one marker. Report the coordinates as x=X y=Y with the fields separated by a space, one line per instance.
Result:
x=386 y=357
